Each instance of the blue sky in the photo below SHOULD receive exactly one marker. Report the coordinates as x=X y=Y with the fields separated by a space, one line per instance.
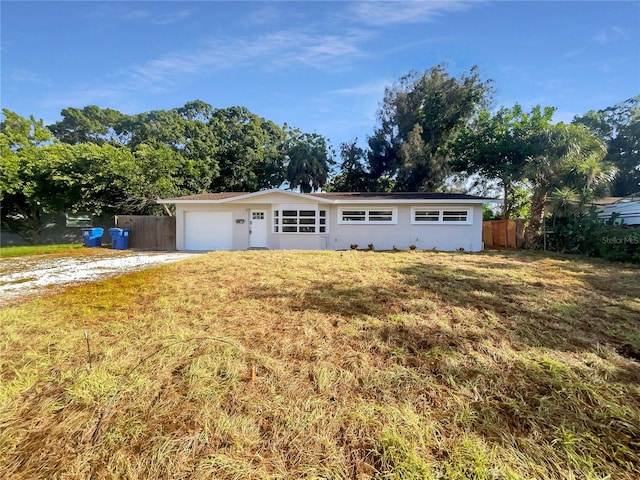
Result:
x=318 y=66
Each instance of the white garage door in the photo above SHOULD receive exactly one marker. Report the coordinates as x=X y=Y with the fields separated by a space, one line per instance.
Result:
x=208 y=231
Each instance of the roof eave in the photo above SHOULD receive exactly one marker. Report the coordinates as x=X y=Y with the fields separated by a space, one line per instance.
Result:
x=418 y=200
x=243 y=197
x=343 y=202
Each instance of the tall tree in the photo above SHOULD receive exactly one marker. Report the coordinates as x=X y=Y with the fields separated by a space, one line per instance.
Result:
x=91 y=124
x=309 y=159
x=353 y=176
x=518 y=149
x=619 y=127
x=571 y=158
x=419 y=116
x=47 y=176
x=501 y=146
x=248 y=150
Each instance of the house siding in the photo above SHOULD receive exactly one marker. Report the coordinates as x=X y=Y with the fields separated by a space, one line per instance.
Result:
x=404 y=233
x=341 y=236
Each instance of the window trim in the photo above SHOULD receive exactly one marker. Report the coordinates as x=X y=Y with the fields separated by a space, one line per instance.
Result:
x=367 y=213
x=441 y=210
x=278 y=224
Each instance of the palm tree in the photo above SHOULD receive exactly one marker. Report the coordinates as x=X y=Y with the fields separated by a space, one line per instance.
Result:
x=573 y=160
x=309 y=163
x=588 y=172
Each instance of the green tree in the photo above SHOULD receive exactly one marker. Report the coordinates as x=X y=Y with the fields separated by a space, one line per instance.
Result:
x=46 y=176
x=525 y=150
x=619 y=127
x=418 y=118
x=24 y=162
x=353 y=175
x=502 y=146
x=91 y=124
x=572 y=158
x=309 y=158
x=248 y=150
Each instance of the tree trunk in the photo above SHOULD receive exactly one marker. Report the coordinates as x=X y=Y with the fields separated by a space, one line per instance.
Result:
x=505 y=205
x=35 y=221
x=532 y=234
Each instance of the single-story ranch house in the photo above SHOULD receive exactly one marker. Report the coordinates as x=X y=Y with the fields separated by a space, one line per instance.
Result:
x=285 y=220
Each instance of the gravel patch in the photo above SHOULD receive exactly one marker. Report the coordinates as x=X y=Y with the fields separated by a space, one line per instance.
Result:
x=25 y=277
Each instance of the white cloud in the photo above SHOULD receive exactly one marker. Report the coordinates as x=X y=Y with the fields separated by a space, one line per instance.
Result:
x=283 y=50
x=371 y=88
x=18 y=75
x=120 y=12
x=169 y=19
x=611 y=34
x=401 y=12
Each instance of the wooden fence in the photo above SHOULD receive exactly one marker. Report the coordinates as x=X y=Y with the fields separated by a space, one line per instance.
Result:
x=503 y=233
x=149 y=232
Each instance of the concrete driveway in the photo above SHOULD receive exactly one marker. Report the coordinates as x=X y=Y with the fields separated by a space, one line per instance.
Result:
x=22 y=278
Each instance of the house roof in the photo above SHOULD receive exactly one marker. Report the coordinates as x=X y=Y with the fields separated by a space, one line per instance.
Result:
x=606 y=200
x=206 y=196
x=338 y=197
x=397 y=196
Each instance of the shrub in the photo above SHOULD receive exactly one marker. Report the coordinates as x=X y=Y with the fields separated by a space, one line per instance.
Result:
x=584 y=233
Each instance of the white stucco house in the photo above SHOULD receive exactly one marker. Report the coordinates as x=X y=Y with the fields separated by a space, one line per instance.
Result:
x=285 y=220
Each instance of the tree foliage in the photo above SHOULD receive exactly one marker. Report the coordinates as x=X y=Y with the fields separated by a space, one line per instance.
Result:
x=503 y=146
x=247 y=150
x=418 y=117
x=353 y=176
x=619 y=127
x=526 y=149
x=91 y=124
x=47 y=176
x=103 y=161
x=309 y=158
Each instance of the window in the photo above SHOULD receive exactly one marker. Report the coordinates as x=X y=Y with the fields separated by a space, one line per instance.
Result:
x=257 y=215
x=426 y=215
x=354 y=215
x=440 y=215
x=454 y=215
x=299 y=221
x=366 y=215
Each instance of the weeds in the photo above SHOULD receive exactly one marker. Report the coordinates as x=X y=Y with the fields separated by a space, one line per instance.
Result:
x=346 y=364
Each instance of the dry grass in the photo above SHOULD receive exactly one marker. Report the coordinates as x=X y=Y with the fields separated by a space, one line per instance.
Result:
x=354 y=365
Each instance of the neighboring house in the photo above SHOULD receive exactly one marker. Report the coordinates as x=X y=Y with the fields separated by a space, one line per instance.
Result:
x=627 y=210
x=285 y=220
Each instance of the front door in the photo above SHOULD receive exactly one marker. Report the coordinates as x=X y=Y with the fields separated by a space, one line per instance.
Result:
x=258 y=229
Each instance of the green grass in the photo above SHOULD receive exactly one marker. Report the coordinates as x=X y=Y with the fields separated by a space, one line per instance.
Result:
x=21 y=251
x=287 y=365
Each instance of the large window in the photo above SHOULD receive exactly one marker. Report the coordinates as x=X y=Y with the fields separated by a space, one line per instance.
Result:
x=367 y=215
x=428 y=215
x=300 y=221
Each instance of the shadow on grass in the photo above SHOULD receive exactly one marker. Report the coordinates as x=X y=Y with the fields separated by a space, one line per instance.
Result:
x=540 y=312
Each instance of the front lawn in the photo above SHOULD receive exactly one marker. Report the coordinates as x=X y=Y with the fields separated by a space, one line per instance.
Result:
x=354 y=365
x=24 y=250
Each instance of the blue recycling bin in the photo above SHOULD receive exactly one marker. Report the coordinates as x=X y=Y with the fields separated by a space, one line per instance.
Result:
x=92 y=237
x=119 y=238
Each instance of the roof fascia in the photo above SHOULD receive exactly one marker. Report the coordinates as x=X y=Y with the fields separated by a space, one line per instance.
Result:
x=416 y=201
x=246 y=196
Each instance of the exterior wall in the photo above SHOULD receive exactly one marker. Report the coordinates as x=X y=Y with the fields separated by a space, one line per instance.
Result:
x=404 y=233
x=241 y=222
x=240 y=231
x=341 y=236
